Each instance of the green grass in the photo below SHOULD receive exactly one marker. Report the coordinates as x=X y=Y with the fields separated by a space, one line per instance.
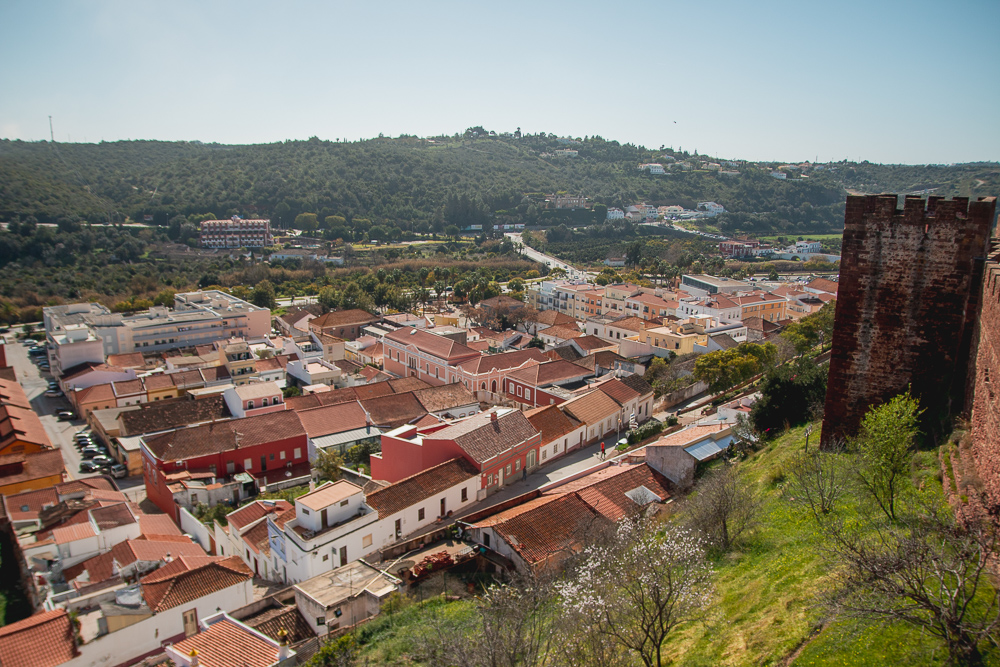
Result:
x=767 y=594
x=391 y=639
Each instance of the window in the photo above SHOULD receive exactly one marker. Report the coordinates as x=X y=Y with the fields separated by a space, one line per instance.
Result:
x=366 y=541
x=545 y=454
x=465 y=494
x=343 y=503
x=282 y=455
x=420 y=514
x=517 y=465
x=527 y=394
x=555 y=448
x=263 y=402
x=326 y=557
x=305 y=511
x=298 y=452
x=272 y=457
x=249 y=405
x=489 y=480
x=508 y=470
x=247 y=464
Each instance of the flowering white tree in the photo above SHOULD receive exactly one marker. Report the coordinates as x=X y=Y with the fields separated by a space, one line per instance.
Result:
x=642 y=586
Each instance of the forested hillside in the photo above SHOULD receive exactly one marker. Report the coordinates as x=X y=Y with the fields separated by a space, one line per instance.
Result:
x=418 y=184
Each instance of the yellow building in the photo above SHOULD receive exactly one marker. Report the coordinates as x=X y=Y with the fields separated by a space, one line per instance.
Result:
x=680 y=337
x=21 y=431
x=238 y=359
x=31 y=472
x=766 y=306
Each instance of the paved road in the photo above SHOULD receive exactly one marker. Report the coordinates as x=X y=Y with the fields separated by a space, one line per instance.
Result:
x=553 y=262
x=61 y=433
x=560 y=468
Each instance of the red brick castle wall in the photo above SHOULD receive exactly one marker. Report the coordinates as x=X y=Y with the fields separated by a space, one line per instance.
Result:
x=906 y=305
x=984 y=398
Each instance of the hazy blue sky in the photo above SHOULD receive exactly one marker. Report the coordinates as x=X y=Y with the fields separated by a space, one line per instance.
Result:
x=907 y=81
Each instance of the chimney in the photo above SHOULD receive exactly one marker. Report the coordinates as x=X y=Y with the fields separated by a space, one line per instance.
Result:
x=194 y=658
x=282 y=645
x=493 y=417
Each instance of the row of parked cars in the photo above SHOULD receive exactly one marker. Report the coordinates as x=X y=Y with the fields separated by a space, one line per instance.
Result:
x=96 y=457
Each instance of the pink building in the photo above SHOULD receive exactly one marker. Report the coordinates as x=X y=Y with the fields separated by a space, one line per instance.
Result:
x=416 y=353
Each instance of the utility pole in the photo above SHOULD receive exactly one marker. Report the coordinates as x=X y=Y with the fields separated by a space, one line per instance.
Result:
x=52 y=135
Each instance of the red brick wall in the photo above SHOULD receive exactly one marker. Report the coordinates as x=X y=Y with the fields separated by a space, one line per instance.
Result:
x=903 y=309
x=985 y=383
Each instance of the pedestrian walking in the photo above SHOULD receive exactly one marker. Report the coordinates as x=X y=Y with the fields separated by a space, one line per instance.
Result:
x=602 y=450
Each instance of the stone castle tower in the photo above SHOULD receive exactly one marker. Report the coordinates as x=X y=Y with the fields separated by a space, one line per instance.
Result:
x=907 y=307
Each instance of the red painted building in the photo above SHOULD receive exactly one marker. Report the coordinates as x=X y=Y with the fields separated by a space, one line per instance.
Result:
x=255 y=445
x=528 y=385
x=501 y=444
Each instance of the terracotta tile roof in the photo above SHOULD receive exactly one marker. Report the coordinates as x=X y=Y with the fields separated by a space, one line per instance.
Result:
x=130 y=360
x=724 y=340
x=97 y=392
x=272 y=621
x=482 y=438
x=12 y=393
x=157 y=381
x=427 y=420
x=689 y=435
x=349 y=367
x=369 y=372
x=824 y=285
x=551 y=422
x=555 y=318
x=548 y=373
x=757 y=297
x=503 y=361
x=605 y=489
x=329 y=419
x=562 y=332
x=420 y=487
x=182 y=379
x=400 y=385
x=172 y=413
x=226 y=643
x=436 y=346
x=101 y=568
x=158 y=526
x=445 y=397
x=344 y=395
x=394 y=410
x=164 y=590
x=342 y=318
x=636 y=383
x=256 y=539
x=265 y=365
x=72 y=532
x=620 y=392
x=373 y=390
x=592 y=408
x=20 y=468
x=588 y=343
x=26 y=505
x=629 y=323
x=113 y=516
x=42 y=640
x=127 y=387
x=565 y=352
x=546 y=527
x=80 y=370
x=214 y=373
x=255 y=511
x=222 y=436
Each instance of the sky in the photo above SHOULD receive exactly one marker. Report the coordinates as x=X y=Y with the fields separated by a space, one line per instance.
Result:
x=892 y=82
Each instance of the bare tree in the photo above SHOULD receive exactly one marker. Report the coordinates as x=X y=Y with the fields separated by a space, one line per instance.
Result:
x=725 y=506
x=639 y=589
x=818 y=479
x=933 y=574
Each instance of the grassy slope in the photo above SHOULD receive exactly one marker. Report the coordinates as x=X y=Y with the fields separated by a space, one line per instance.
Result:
x=766 y=603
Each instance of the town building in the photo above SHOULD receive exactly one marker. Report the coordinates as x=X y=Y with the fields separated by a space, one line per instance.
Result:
x=343 y=324
x=236 y=233
x=344 y=597
x=421 y=354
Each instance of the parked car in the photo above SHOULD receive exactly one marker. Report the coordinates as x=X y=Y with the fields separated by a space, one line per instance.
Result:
x=54 y=393
x=102 y=460
x=119 y=471
x=83 y=435
x=87 y=466
x=66 y=415
x=90 y=451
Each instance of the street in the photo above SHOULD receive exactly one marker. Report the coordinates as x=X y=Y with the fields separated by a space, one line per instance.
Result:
x=61 y=433
x=553 y=263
